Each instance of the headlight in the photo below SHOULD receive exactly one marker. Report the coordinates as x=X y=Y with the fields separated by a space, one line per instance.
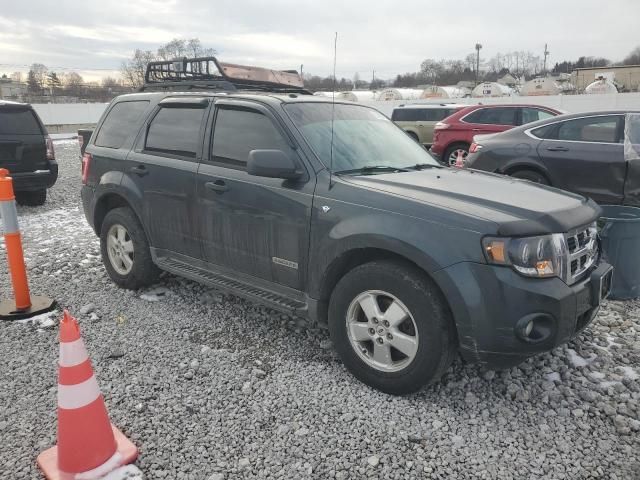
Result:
x=542 y=256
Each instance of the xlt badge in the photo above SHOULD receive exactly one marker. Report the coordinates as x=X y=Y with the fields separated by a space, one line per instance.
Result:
x=286 y=263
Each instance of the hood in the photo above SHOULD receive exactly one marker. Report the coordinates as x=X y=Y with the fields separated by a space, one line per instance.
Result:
x=517 y=207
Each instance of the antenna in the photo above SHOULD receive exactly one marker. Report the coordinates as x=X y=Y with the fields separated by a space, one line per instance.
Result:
x=333 y=104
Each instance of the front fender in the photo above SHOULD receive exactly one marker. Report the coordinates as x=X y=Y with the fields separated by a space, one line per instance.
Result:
x=430 y=245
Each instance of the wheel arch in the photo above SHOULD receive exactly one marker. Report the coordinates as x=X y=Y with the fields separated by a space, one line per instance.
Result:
x=350 y=259
x=513 y=167
x=107 y=202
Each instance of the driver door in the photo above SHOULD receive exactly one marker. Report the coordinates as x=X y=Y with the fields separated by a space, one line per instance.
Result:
x=252 y=225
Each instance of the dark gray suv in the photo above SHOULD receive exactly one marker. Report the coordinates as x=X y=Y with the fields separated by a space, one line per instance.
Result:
x=331 y=212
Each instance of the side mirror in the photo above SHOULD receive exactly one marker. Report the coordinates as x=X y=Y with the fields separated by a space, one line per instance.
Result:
x=272 y=164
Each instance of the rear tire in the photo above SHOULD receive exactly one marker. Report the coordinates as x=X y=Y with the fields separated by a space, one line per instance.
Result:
x=451 y=153
x=33 y=198
x=531 y=175
x=125 y=250
x=403 y=308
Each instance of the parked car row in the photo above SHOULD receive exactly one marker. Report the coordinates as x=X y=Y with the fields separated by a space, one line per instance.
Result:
x=581 y=153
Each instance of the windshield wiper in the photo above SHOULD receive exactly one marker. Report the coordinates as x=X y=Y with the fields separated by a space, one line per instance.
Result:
x=367 y=169
x=423 y=166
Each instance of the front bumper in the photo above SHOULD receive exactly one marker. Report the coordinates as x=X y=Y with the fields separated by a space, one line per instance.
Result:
x=492 y=306
x=37 y=180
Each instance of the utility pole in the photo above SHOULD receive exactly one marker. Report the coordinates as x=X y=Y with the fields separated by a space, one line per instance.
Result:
x=301 y=65
x=546 y=54
x=373 y=78
x=478 y=47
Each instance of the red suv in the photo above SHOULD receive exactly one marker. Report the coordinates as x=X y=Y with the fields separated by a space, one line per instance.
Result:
x=454 y=134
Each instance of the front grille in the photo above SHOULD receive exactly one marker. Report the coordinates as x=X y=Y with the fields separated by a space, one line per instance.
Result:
x=582 y=252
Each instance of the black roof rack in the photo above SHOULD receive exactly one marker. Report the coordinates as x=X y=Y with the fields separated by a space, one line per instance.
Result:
x=208 y=73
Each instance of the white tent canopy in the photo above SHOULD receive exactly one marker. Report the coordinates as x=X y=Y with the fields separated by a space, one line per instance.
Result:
x=492 y=89
x=600 y=86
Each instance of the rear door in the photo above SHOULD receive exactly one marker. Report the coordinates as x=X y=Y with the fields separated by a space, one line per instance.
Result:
x=491 y=120
x=252 y=225
x=585 y=155
x=22 y=142
x=163 y=166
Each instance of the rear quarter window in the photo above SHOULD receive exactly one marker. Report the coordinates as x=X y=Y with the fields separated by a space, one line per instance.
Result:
x=19 y=122
x=121 y=122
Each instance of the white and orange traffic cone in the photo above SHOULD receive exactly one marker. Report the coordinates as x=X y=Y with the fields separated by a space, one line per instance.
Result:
x=24 y=305
x=89 y=446
x=459 y=160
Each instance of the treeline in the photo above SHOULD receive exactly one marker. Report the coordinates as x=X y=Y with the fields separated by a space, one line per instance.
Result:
x=43 y=84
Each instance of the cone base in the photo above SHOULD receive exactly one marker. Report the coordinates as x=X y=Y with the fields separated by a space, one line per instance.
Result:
x=38 y=305
x=48 y=460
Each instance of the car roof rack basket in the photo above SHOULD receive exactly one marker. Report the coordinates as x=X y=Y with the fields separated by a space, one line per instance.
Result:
x=208 y=73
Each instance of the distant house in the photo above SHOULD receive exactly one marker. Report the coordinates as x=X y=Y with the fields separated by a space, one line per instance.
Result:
x=625 y=77
x=10 y=90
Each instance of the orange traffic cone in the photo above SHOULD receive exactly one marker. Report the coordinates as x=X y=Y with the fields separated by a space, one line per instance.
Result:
x=89 y=446
x=460 y=160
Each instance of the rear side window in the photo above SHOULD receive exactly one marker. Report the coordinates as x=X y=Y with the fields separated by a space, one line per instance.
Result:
x=492 y=116
x=175 y=131
x=238 y=131
x=19 y=122
x=534 y=114
x=406 y=115
x=122 y=120
x=595 y=129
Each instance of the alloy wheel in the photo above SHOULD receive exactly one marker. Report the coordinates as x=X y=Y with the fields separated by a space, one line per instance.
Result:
x=382 y=331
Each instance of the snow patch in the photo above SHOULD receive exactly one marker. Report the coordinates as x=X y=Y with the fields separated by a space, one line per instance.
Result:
x=128 y=472
x=155 y=294
x=552 y=377
x=629 y=372
x=44 y=320
x=578 y=361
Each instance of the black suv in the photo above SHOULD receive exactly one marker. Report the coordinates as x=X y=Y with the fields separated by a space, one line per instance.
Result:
x=27 y=152
x=330 y=211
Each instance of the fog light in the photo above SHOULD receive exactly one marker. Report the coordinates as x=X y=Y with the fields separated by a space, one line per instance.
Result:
x=535 y=328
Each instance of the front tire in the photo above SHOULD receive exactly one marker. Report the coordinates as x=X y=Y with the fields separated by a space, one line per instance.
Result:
x=125 y=250
x=33 y=198
x=391 y=327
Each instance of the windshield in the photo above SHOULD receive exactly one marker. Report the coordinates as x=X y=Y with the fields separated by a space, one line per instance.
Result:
x=362 y=137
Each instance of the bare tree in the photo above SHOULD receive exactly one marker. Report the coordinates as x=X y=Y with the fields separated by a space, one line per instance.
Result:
x=195 y=49
x=73 y=84
x=37 y=78
x=133 y=70
x=16 y=77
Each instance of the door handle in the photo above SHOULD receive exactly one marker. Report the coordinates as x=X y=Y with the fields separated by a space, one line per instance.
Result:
x=558 y=149
x=140 y=170
x=218 y=186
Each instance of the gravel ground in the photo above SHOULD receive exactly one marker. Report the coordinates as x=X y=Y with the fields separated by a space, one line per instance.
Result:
x=211 y=387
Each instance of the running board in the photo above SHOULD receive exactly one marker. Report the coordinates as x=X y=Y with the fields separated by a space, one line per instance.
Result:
x=241 y=289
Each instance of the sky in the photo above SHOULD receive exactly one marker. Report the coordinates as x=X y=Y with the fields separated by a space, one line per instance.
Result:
x=95 y=36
